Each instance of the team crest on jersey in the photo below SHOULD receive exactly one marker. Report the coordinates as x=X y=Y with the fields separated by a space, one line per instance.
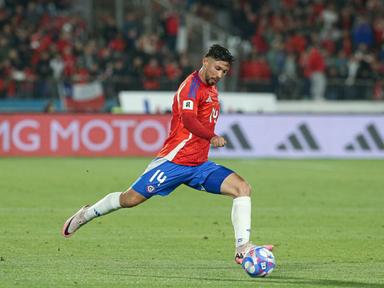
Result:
x=188 y=105
x=150 y=188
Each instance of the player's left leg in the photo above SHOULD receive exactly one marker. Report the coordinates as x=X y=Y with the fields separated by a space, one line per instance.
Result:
x=235 y=186
x=220 y=180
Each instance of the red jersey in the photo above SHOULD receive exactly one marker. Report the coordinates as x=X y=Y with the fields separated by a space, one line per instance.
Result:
x=193 y=96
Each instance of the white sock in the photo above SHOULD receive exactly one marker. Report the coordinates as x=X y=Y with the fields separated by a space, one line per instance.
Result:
x=108 y=204
x=241 y=219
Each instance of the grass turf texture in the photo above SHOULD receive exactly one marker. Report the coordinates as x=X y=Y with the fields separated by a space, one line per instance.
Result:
x=324 y=216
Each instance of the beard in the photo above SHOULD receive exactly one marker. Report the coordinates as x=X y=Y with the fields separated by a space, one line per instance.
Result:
x=211 y=81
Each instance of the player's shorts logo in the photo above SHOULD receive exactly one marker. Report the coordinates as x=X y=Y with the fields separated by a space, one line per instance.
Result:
x=150 y=188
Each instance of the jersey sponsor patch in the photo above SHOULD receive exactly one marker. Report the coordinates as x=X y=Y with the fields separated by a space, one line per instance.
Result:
x=188 y=105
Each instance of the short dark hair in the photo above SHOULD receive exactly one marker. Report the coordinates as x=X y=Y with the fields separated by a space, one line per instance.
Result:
x=218 y=52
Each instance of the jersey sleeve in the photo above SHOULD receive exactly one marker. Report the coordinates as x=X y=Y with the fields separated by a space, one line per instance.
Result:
x=195 y=127
x=189 y=97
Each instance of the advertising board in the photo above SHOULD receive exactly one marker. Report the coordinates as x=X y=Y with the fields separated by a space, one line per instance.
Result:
x=280 y=136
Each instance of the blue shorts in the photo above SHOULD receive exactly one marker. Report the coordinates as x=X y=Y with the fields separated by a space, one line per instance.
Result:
x=162 y=177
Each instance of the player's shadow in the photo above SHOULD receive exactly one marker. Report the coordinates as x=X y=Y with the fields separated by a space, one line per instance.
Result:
x=184 y=277
x=273 y=279
x=321 y=282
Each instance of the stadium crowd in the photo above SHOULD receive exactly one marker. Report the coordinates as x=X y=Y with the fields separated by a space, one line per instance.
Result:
x=42 y=43
x=298 y=48
x=310 y=48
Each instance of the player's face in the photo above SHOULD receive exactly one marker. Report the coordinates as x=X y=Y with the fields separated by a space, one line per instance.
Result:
x=214 y=70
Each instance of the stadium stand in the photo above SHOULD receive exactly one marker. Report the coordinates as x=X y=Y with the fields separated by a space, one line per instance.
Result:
x=312 y=49
x=297 y=49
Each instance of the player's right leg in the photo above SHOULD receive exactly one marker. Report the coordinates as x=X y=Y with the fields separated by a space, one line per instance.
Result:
x=109 y=203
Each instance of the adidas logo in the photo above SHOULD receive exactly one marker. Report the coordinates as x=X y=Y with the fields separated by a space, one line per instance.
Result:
x=368 y=140
x=209 y=99
x=300 y=140
x=237 y=135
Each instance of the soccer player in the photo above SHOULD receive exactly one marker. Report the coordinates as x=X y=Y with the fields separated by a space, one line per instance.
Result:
x=184 y=156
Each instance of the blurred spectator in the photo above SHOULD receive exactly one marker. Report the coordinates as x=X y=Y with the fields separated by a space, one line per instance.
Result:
x=109 y=28
x=118 y=75
x=336 y=72
x=43 y=72
x=329 y=16
x=255 y=68
x=172 y=70
x=117 y=44
x=362 y=33
x=69 y=61
x=185 y=66
x=136 y=72
x=89 y=54
x=149 y=44
x=288 y=78
x=131 y=29
x=171 y=28
x=276 y=57
x=366 y=60
x=255 y=73
x=81 y=73
x=4 y=48
x=316 y=70
x=152 y=73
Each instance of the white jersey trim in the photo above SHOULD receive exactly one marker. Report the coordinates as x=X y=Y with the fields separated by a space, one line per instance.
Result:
x=155 y=163
x=176 y=150
x=178 y=93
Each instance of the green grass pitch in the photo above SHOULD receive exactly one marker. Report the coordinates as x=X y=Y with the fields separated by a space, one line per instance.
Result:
x=326 y=218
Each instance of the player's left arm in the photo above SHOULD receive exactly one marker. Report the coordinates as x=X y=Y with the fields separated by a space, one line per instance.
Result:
x=218 y=141
x=193 y=125
x=189 y=102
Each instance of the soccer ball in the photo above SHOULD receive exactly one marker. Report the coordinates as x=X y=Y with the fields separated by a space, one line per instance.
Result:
x=258 y=262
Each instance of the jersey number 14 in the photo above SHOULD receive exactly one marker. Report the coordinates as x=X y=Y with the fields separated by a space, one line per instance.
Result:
x=160 y=177
x=214 y=115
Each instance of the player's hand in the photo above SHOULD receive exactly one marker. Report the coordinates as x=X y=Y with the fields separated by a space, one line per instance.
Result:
x=218 y=141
